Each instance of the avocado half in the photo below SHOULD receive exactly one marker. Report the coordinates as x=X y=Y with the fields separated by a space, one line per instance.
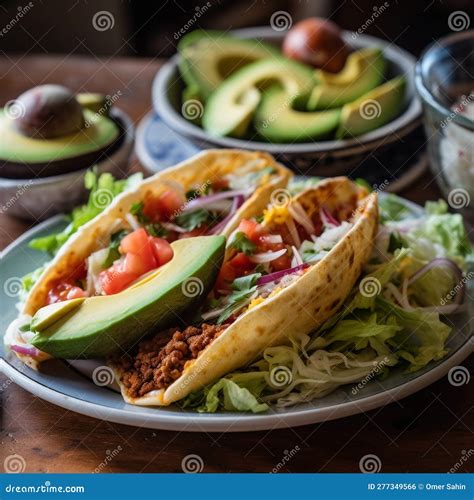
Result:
x=209 y=57
x=363 y=71
x=51 y=133
x=95 y=327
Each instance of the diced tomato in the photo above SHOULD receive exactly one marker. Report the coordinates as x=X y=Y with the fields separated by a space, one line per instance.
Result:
x=134 y=264
x=134 y=242
x=162 y=250
x=242 y=262
x=282 y=263
x=226 y=276
x=115 y=279
x=138 y=243
x=163 y=206
x=220 y=185
x=65 y=291
x=251 y=228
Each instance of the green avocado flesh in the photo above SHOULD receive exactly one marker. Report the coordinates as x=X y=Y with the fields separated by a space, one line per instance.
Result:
x=99 y=133
x=96 y=327
x=372 y=110
x=277 y=121
x=230 y=109
x=364 y=70
x=208 y=57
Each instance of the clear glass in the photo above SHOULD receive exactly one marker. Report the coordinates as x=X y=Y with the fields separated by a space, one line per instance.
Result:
x=445 y=84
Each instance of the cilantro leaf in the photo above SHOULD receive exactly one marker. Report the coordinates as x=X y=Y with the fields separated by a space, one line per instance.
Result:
x=114 y=253
x=194 y=219
x=241 y=243
x=244 y=287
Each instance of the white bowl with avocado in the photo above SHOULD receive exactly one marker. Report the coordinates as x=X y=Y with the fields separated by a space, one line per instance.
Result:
x=273 y=105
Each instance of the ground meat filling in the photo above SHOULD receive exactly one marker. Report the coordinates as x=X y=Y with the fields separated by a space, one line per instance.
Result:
x=160 y=361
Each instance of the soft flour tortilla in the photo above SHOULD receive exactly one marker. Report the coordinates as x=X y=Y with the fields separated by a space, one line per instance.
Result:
x=300 y=308
x=198 y=170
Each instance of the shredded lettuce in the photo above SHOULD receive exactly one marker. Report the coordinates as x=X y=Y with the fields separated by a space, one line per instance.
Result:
x=372 y=333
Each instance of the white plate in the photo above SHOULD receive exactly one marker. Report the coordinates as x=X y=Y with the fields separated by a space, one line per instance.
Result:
x=69 y=385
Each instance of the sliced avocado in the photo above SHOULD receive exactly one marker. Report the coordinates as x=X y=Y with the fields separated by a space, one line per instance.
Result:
x=209 y=57
x=231 y=107
x=372 y=110
x=48 y=315
x=363 y=71
x=98 y=133
x=104 y=325
x=277 y=121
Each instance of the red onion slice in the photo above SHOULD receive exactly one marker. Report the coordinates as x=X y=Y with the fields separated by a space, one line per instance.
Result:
x=25 y=350
x=269 y=278
x=298 y=213
x=236 y=204
x=206 y=200
x=327 y=218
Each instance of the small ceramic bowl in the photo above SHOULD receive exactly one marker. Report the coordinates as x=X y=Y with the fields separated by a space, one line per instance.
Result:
x=322 y=158
x=40 y=198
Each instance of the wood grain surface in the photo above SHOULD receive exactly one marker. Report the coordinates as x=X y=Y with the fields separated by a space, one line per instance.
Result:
x=428 y=432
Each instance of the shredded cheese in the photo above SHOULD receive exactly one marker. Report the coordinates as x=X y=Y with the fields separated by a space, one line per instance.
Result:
x=277 y=214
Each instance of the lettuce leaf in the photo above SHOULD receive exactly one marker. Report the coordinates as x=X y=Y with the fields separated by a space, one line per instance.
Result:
x=239 y=392
x=104 y=184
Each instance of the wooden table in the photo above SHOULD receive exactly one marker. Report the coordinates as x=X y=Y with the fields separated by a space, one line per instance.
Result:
x=426 y=432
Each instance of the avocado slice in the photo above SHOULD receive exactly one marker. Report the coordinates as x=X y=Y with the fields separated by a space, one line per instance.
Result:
x=103 y=325
x=209 y=57
x=363 y=71
x=372 y=110
x=232 y=106
x=277 y=121
x=93 y=101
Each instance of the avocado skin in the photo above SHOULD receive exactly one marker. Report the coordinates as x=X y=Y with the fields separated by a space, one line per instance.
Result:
x=107 y=335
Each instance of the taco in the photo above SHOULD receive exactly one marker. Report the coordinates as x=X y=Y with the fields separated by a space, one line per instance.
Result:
x=286 y=272
x=206 y=195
